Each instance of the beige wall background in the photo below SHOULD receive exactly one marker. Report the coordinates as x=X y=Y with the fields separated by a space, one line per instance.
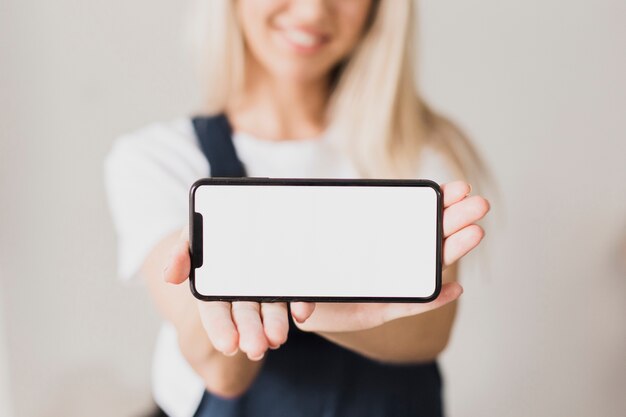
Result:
x=540 y=87
x=5 y=399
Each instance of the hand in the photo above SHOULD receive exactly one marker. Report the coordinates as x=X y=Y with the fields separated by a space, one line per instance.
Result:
x=242 y=325
x=461 y=235
x=255 y=327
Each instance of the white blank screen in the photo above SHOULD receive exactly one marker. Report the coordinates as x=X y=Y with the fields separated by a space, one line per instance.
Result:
x=317 y=241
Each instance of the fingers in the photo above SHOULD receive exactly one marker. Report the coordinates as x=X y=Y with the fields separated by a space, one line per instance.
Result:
x=301 y=311
x=461 y=242
x=454 y=192
x=247 y=326
x=461 y=235
x=275 y=323
x=218 y=324
x=449 y=292
x=463 y=213
x=247 y=318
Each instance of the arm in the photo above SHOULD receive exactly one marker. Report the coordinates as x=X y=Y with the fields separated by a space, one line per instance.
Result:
x=409 y=332
x=393 y=332
x=223 y=345
x=226 y=376
x=418 y=338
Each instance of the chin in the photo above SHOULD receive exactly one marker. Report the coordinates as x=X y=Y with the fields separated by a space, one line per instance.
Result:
x=298 y=77
x=299 y=72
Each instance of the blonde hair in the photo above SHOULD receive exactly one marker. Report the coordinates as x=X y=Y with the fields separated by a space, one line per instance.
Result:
x=376 y=83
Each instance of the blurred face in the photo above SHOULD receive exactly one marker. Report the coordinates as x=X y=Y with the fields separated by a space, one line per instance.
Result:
x=301 y=40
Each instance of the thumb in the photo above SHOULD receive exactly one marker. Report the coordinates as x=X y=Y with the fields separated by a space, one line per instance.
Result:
x=301 y=311
x=179 y=264
x=449 y=292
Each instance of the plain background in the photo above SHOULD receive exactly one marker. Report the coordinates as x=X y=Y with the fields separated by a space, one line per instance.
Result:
x=538 y=84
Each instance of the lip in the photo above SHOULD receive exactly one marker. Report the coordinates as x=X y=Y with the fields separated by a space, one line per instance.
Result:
x=303 y=40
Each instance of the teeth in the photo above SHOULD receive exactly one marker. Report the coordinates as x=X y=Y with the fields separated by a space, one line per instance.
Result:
x=301 y=38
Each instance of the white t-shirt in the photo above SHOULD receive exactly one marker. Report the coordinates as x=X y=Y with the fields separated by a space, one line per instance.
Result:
x=148 y=174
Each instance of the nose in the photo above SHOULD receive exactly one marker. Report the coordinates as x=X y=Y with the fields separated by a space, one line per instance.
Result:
x=309 y=11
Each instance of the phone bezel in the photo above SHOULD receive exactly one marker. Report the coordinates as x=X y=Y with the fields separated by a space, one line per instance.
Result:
x=260 y=181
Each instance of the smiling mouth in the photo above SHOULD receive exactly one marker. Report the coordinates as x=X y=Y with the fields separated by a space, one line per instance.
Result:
x=303 y=40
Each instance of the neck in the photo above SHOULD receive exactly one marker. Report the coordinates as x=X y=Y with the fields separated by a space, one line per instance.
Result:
x=277 y=109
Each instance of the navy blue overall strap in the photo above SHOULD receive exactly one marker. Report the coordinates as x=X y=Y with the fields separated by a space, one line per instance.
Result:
x=215 y=136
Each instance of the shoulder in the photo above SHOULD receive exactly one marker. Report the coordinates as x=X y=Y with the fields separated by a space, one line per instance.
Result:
x=168 y=146
x=155 y=138
x=147 y=175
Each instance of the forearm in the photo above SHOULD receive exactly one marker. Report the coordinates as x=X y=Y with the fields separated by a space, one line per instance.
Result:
x=408 y=340
x=413 y=339
x=223 y=375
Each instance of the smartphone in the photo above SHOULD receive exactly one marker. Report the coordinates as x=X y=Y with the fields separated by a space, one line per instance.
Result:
x=325 y=240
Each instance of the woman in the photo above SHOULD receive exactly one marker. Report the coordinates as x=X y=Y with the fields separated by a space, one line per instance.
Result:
x=310 y=88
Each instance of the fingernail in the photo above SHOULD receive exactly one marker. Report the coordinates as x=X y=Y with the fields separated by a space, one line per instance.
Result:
x=470 y=189
x=256 y=358
x=233 y=353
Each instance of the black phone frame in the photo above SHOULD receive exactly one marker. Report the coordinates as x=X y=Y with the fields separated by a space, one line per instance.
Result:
x=195 y=233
